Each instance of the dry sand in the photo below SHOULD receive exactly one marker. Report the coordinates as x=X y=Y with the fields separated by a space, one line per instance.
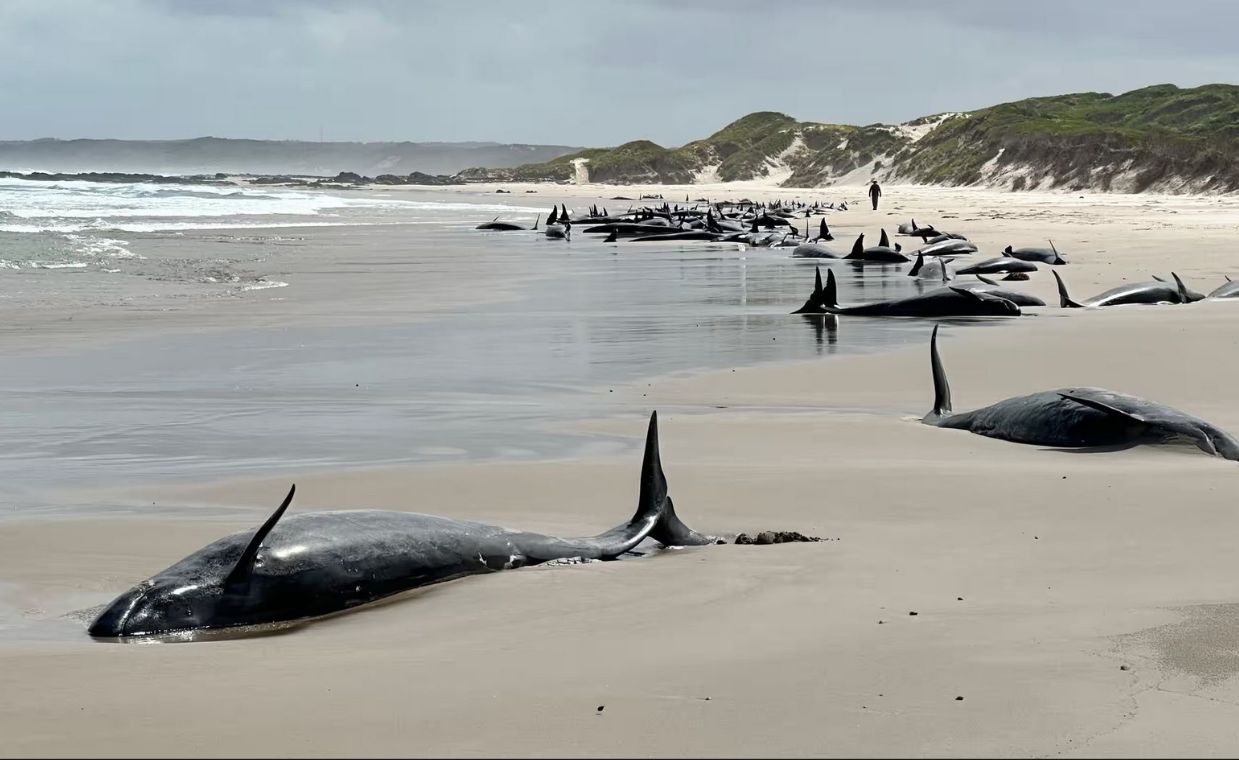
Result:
x=1079 y=603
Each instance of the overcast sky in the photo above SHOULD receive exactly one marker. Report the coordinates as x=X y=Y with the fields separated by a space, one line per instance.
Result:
x=577 y=72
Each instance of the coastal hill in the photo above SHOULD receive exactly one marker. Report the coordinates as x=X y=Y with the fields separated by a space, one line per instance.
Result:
x=208 y=155
x=1160 y=138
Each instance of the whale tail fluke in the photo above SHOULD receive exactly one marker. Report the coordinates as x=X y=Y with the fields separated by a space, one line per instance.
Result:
x=671 y=531
x=814 y=304
x=655 y=505
x=1064 y=300
x=942 y=389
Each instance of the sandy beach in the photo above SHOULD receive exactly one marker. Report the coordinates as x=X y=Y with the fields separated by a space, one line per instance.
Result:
x=975 y=597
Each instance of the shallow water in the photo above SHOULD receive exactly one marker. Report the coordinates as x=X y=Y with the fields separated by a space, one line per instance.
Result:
x=489 y=381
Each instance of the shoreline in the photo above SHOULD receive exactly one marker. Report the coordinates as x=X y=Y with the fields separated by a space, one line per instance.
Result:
x=1081 y=603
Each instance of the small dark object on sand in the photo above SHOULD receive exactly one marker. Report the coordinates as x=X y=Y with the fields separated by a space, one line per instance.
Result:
x=775 y=537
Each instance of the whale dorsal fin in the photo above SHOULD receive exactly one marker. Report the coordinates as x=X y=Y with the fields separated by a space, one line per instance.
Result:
x=831 y=296
x=1101 y=406
x=858 y=248
x=1159 y=279
x=942 y=389
x=916 y=268
x=1228 y=278
x=1064 y=300
x=240 y=573
x=1183 y=296
x=884 y=241
x=536 y=219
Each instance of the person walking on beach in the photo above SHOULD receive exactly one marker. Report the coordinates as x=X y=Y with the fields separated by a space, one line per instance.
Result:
x=875 y=191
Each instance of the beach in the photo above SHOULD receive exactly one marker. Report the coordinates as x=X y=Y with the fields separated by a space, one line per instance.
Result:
x=972 y=596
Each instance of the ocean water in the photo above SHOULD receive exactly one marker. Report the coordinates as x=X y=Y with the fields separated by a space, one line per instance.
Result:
x=491 y=381
x=51 y=229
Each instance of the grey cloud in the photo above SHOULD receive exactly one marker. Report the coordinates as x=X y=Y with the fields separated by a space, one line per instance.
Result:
x=599 y=72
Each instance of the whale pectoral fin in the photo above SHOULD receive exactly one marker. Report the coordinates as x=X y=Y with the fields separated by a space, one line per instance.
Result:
x=970 y=293
x=986 y=280
x=1101 y=406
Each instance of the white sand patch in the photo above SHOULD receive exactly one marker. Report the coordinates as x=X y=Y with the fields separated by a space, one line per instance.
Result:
x=581 y=171
x=778 y=169
x=707 y=175
x=914 y=132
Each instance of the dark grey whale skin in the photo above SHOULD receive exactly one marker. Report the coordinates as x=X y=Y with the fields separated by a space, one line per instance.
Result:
x=1076 y=417
x=1147 y=293
x=1228 y=289
x=941 y=302
x=318 y=563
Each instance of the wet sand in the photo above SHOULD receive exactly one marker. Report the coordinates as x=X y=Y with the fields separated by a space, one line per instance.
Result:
x=1079 y=603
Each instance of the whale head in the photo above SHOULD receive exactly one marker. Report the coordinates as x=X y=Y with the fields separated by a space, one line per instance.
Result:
x=160 y=605
x=216 y=587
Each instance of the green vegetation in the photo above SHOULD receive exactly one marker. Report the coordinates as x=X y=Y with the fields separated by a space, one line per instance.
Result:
x=1151 y=135
x=1154 y=136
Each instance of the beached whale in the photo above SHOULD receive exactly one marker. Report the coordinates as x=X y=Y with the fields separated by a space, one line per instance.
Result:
x=983 y=285
x=876 y=254
x=941 y=302
x=673 y=236
x=1043 y=255
x=497 y=226
x=1076 y=417
x=1228 y=289
x=1190 y=294
x=815 y=251
x=911 y=228
x=1137 y=292
x=1000 y=265
x=317 y=563
x=952 y=247
x=934 y=269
